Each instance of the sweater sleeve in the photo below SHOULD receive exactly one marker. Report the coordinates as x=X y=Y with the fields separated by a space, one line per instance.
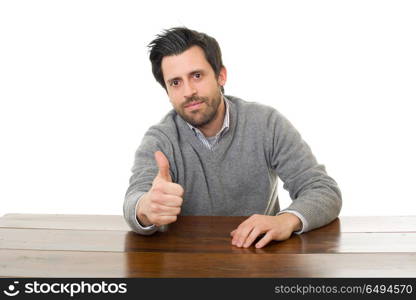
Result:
x=314 y=194
x=144 y=171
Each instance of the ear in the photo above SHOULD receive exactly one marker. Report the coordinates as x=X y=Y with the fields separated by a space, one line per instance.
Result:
x=222 y=77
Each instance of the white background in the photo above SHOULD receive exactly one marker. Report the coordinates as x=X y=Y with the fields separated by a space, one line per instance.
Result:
x=77 y=93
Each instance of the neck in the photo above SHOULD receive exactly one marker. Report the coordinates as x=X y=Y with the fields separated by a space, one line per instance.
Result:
x=213 y=127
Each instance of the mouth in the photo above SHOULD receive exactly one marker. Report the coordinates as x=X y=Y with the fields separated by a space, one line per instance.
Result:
x=194 y=105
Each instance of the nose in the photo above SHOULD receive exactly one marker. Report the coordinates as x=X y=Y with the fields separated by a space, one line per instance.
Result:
x=189 y=89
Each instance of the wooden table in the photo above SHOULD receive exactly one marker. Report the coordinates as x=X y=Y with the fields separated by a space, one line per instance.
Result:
x=33 y=245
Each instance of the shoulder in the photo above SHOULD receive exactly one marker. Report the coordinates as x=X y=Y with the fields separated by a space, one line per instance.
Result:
x=254 y=110
x=164 y=132
x=166 y=126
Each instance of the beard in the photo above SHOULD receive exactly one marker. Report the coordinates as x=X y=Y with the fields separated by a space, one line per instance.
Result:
x=204 y=115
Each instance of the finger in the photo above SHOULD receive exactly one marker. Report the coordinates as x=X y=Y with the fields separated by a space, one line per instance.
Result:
x=244 y=228
x=169 y=211
x=163 y=220
x=242 y=234
x=172 y=188
x=169 y=200
x=163 y=165
x=233 y=232
x=265 y=240
x=162 y=210
x=252 y=237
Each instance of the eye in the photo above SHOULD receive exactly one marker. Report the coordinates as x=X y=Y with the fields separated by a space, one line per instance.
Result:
x=174 y=82
x=197 y=75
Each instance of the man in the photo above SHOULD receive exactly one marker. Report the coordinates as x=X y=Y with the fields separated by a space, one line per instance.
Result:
x=220 y=155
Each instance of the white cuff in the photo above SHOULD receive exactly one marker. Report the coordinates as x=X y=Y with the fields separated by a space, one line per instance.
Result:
x=300 y=216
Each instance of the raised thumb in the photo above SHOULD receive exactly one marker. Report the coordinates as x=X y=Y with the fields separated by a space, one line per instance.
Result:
x=163 y=165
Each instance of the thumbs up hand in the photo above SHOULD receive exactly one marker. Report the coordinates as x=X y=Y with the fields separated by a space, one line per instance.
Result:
x=162 y=203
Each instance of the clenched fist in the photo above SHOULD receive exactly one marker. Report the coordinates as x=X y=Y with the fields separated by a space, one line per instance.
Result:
x=162 y=203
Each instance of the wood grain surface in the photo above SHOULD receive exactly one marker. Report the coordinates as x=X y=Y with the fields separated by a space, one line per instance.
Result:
x=33 y=245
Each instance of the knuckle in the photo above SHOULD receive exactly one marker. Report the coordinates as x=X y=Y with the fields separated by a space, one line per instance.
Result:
x=154 y=207
x=170 y=219
x=270 y=234
x=181 y=190
x=159 y=186
x=155 y=184
x=239 y=231
x=255 y=232
x=152 y=219
x=179 y=201
x=154 y=193
x=158 y=221
x=158 y=198
x=160 y=189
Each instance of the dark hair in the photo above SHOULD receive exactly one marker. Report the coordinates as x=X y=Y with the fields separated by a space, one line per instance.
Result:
x=176 y=40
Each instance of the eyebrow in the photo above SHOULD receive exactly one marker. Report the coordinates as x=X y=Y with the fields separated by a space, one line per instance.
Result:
x=190 y=73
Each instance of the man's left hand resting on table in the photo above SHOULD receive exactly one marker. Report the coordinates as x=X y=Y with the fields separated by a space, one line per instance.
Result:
x=276 y=228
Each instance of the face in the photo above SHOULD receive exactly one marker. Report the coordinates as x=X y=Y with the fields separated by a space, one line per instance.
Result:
x=192 y=86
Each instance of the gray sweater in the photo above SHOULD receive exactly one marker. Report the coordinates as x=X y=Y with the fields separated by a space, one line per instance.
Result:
x=238 y=177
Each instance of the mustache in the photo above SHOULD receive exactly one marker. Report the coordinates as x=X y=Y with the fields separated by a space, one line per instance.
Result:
x=195 y=99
